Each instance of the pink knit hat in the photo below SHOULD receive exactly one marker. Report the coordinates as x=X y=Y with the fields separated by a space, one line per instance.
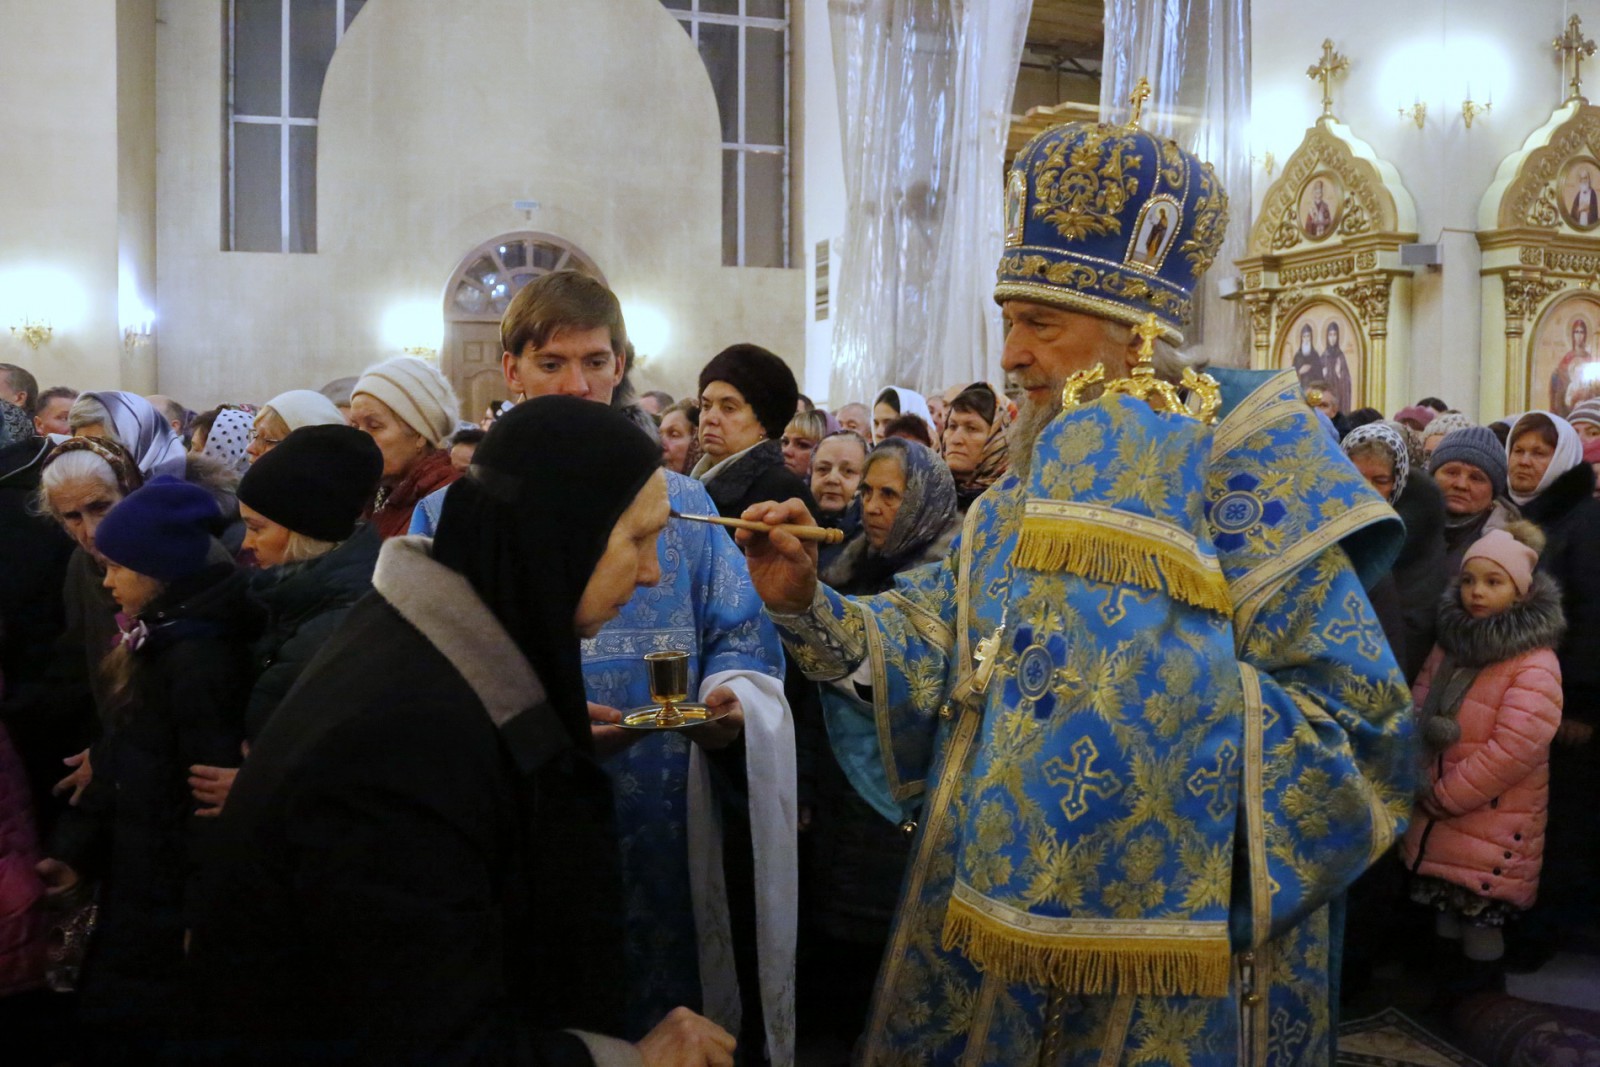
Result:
x=1507 y=553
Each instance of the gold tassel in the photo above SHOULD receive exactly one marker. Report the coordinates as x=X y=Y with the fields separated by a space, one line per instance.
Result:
x=1119 y=557
x=1091 y=966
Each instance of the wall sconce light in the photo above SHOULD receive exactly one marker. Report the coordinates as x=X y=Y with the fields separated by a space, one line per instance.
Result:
x=1470 y=110
x=35 y=333
x=422 y=352
x=1417 y=112
x=134 y=337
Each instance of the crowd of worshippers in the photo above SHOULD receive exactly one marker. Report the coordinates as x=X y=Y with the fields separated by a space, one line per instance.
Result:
x=217 y=844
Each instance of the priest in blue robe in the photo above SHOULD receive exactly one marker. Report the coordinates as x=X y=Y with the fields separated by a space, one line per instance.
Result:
x=1144 y=714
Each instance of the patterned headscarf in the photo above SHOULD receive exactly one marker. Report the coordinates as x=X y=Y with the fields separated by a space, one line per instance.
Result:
x=228 y=439
x=929 y=504
x=15 y=425
x=1450 y=420
x=122 y=465
x=139 y=427
x=1389 y=436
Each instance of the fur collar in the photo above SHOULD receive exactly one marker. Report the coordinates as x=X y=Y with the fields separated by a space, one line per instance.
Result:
x=1530 y=624
x=729 y=482
x=445 y=608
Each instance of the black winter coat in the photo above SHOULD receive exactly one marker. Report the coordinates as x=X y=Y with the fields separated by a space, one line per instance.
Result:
x=305 y=602
x=755 y=478
x=1422 y=570
x=188 y=689
x=1570 y=518
x=33 y=564
x=379 y=896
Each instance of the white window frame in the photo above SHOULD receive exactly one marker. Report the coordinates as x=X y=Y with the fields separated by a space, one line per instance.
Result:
x=695 y=18
x=282 y=120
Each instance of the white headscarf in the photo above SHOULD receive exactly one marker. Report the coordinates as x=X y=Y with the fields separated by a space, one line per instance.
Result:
x=1568 y=454
x=228 y=440
x=303 y=407
x=911 y=403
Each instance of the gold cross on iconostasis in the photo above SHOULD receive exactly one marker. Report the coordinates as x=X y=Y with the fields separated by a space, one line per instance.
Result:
x=1572 y=45
x=1332 y=63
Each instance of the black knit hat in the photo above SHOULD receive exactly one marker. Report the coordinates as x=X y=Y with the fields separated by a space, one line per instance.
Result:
x=765 y=381
x=316 y=482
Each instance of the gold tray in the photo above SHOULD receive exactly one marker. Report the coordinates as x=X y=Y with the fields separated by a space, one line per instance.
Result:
x=645 y=718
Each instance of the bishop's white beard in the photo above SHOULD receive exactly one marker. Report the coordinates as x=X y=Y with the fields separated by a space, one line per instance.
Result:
x=1023 y=433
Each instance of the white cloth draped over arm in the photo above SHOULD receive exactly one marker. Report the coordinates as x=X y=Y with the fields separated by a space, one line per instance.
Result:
x=770 y=770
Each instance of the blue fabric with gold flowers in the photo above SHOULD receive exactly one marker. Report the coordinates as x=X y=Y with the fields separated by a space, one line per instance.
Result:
x=704 y=603
x=1321 y=785
x=1112 y=221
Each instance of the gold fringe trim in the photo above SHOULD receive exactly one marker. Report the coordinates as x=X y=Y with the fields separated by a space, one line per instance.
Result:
x=1119 y=557
x=1091 y=966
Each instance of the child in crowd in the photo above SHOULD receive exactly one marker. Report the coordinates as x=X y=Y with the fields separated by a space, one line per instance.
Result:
x=1489 y=701
x=180 y=673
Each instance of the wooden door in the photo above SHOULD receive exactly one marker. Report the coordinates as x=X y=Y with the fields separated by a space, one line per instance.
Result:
x=472 y=365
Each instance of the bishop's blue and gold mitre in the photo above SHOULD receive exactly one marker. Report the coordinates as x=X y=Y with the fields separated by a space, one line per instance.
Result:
x=1112 y=221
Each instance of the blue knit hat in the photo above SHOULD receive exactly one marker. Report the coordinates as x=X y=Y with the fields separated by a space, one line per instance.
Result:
x=1477 y=446
x=162 y=531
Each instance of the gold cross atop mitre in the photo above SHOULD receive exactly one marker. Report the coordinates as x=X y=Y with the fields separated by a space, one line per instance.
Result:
x=1136 y=99
x=1205 y=395
x=1323 y=71
x=1574 y=46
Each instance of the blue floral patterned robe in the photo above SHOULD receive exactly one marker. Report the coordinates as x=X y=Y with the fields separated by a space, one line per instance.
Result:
x=704 y=603
x=1323 y=789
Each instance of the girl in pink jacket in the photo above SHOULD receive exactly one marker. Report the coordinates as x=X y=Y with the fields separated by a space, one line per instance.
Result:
x=1489 y=701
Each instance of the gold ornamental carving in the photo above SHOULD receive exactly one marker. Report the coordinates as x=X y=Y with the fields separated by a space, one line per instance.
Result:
x=1367 y=261
x=1370 y=298
x=1364 y=208
x=1312 y=273
x=1532 y=198
x=1524 y=295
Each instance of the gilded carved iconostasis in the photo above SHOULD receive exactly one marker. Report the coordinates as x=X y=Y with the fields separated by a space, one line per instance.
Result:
x=1327 y=294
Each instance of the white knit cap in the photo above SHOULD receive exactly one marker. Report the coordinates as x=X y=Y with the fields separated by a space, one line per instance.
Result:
x=416 y=392
x=305 y=407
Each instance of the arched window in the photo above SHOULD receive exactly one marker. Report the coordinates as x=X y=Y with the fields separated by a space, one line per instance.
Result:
x=479 y=292
x=745 y=47
x=277 y=56
x=491 y=275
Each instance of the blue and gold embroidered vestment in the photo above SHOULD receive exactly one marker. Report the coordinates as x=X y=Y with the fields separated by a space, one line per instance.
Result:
x=1318 y=783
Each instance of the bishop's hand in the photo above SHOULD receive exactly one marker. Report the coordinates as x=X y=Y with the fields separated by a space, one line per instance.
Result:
x=783 y=568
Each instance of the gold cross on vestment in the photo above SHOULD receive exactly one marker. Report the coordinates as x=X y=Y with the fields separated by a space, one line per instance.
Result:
x=1141 y=93
x=1573 y=45
x=1332 y=63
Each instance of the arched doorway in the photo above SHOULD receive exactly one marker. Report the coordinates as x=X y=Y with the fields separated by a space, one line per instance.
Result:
x=477 y=297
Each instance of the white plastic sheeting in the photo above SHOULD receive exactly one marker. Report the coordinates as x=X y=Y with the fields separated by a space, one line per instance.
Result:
x=924 y=96
x=1196 y=54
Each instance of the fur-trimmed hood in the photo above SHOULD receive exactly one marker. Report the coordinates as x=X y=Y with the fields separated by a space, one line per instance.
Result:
x=1534 y=622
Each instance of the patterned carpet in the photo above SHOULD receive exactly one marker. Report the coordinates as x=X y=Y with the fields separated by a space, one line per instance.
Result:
x=1391 y=1039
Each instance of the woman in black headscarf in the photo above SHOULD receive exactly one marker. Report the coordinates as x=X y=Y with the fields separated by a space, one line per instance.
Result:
x=419 y=853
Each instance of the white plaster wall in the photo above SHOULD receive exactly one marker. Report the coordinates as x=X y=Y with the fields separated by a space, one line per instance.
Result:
x=434 y=118
x=1432 y=51
x=822 y=196
x=136 y=183
x=59 y=219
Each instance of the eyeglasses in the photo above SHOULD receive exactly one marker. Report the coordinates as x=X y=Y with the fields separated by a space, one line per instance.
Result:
x=264 y=440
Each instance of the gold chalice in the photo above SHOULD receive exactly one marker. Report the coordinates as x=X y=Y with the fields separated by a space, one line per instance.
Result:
x=669 y=684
